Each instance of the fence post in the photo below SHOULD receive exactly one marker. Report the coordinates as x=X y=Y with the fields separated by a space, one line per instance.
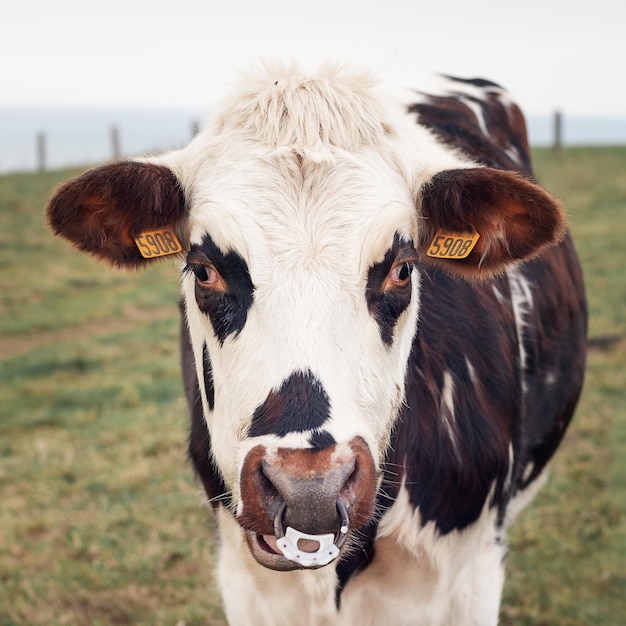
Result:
x=41 y=152
x=558 y=132
x=115 y=143
x=195 y=128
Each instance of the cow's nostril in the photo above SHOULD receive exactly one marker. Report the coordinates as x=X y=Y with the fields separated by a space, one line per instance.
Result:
x=279 y=521
x=349 y=493
x=353 y=478
x=266 y=485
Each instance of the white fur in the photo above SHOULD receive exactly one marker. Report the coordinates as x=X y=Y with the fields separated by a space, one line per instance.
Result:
x=522 y=302
x=446 y=411
x=420 y=578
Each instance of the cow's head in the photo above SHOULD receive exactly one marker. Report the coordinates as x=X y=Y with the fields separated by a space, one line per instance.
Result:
x=305 y=214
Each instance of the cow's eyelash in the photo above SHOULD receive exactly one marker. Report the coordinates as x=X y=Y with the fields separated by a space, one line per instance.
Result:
x=193 y=266
x=190 y=268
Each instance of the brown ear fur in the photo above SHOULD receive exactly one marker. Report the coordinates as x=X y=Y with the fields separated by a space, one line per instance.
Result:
x=101 y=211
x=515 y=218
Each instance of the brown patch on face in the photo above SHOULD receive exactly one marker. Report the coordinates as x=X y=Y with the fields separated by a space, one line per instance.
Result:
x=305 y=464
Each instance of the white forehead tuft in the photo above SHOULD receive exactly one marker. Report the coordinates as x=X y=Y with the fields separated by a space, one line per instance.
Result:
x=286 y=108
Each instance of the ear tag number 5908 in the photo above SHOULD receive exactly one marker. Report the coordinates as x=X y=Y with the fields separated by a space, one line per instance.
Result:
x=452 y=245
x=158 y=243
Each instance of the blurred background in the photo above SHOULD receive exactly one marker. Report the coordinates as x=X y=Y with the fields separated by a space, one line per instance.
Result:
x=101 y=520
x=84 y=82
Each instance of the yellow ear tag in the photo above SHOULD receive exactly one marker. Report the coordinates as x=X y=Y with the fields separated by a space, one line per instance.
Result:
x=156 y=243
x=452 y=245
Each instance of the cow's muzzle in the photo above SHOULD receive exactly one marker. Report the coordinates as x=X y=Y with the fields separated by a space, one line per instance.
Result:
x=299 y=505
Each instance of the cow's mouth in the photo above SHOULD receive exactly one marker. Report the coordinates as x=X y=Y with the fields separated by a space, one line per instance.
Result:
x=265 y=551
x=290 y=549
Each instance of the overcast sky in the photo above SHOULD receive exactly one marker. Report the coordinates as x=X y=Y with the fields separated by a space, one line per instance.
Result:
x=565 y=54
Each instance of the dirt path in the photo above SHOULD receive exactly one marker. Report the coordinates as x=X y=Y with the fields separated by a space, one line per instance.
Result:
x=131 y=316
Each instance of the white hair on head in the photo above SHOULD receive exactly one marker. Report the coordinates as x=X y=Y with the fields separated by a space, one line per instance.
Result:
x=309 y=114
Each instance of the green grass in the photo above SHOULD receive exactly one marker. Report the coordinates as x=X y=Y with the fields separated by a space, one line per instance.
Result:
x=101 y=519
x=568 y=549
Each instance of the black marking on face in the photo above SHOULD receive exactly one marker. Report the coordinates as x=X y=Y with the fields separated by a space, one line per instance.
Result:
x=321 y=439
x=300 y=404
x=386 y=305
x=227 y=306
x=209 y=390
x=199 y=448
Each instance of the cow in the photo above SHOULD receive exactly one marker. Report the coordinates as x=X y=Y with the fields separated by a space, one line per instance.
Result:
x=383 y=337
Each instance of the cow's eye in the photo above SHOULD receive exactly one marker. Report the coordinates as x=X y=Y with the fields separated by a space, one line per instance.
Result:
x=207 y=276
x=399 y=276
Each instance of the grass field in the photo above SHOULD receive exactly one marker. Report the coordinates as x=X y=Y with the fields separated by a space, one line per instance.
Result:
x=101 y=521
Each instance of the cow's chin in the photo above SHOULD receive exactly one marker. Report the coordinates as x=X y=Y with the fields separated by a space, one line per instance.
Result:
x=266 y=553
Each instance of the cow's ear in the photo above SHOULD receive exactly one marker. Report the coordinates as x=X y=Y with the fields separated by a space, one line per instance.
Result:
x=103 y=210
x=514 y=219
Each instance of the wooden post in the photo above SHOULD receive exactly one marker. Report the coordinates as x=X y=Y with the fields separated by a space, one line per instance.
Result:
x=558 y=132
x=115 y=143
x=41 y=152
x=195 y=128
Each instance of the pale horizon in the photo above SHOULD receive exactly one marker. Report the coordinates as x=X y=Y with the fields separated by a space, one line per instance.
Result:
x=135 y=54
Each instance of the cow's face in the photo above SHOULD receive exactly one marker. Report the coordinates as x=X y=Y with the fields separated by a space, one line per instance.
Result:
x=301 y=284
x=302 y=297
